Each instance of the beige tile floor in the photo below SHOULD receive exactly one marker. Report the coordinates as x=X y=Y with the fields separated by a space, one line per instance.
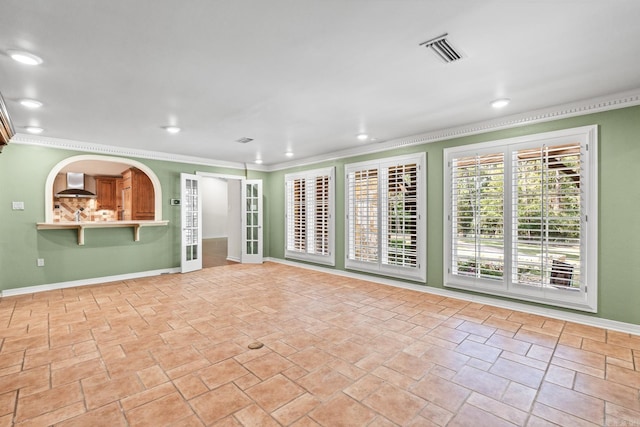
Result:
x=172 y=350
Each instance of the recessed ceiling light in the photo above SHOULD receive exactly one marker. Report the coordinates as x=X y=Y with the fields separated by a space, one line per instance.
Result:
x=30 y=103
x=258 y=161
x=172 y=129
x=24 y=57
x=500 y=103
x=34 y=129
x=362 y=136
x=288 y=154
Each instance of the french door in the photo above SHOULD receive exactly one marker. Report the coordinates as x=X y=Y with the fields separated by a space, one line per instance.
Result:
x=191 y=222
x=191 y=217
x=251 y=196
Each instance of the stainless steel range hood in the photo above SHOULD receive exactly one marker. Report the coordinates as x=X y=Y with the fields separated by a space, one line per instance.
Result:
x=75 y=186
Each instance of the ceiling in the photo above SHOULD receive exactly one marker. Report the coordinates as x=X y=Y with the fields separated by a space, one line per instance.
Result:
x=96 y=167
x=304 y=76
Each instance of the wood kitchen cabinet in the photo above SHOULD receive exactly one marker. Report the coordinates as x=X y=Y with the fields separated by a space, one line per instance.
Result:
x=106 y=193
x=138 y=195
x=119 y=199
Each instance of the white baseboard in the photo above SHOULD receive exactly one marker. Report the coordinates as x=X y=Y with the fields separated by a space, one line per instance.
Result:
x=568 y=316
x=86 y=282
x=233 y=259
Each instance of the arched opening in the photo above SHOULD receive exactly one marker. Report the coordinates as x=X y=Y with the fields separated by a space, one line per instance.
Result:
x=92 y=188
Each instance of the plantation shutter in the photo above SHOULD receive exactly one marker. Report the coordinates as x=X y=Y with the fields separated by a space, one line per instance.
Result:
x=385 y=224
x=547 y=209
x=399 y=221
x=296 y=215
x=308 y=213
x=320 y=207
x=477 y=216
x=363 y=215
x=521 y=218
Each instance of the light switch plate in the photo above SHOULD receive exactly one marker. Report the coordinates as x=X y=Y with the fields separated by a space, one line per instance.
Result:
x=17 y=206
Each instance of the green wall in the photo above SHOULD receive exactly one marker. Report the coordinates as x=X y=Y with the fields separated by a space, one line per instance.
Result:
x=109 y=252
x=619 y=205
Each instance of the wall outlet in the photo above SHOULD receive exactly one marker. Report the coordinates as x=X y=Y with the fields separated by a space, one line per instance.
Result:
x=40 y=262
x=17 y=206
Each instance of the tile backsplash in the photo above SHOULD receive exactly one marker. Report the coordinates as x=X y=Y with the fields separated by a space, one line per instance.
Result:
x=65 y=208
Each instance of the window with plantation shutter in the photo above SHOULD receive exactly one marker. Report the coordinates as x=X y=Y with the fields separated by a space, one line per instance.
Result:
x=547 y=206
x=385 y=220
x=309 y=205
x=521 y=218
x=478 y=215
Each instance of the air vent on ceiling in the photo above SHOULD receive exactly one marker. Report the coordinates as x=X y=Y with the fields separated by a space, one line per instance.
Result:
x=443 y=49
x=244 y=140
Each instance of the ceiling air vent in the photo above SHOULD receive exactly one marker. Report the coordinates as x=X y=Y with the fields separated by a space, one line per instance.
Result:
x=244 y=140
x=442 y=48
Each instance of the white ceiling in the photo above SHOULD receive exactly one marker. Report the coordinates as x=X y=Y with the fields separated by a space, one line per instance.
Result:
x=96 y=167
x=302 y=75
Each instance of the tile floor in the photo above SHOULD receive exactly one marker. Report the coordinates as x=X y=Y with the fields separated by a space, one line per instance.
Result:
x=172 y=350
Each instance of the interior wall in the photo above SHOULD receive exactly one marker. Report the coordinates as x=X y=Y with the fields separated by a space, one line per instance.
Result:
x=234 y=222
x=214 y=208
x=618 y=194
x=107 y=251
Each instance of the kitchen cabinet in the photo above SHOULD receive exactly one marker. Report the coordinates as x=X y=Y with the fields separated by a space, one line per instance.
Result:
x=119 y=199
x=138 y=196
x=106 y=193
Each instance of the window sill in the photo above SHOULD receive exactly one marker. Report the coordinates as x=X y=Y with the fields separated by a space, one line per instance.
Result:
x=81 y=226
x=414 y=274
x=316 y=259
x=549 y=295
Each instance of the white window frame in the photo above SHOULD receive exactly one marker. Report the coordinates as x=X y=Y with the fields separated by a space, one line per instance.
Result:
x=308 y=254
x=585 y=298
x=417 y=272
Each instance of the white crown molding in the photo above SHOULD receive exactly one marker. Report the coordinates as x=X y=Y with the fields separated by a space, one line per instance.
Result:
x=567 y=316
x=89 y=147
x=578 y=108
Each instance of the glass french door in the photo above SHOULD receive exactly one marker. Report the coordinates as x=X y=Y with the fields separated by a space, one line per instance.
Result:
x=191 y=216
x=251 y=221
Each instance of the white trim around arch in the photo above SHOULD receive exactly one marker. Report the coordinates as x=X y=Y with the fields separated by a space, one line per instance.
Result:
x=48 y=187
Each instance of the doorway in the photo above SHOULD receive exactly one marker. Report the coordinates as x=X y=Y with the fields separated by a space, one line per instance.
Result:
x=220 y=221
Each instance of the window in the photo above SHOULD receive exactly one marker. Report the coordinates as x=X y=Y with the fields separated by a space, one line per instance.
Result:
x=385 y=208
x=309 y=204
x=521 y=218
